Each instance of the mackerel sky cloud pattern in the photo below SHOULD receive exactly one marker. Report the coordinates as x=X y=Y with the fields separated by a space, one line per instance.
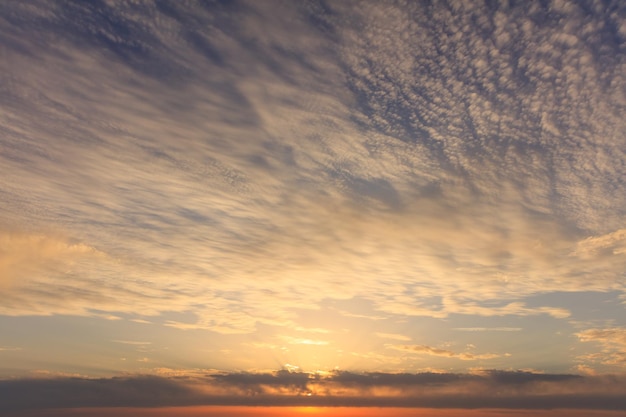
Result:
x=372 y=186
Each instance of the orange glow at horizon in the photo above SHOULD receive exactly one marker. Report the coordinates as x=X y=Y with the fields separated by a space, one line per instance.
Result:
x=308 y=410
x=248 y=411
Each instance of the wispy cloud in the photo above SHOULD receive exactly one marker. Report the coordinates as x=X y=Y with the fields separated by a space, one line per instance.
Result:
x=9 y=348
x=393 y=336
x=24 y=256
x=138 y=345
x=461 y=173
x=613 y=342
x=303 y=341
x=429 y=350
x=488 y=329
x=241 y=163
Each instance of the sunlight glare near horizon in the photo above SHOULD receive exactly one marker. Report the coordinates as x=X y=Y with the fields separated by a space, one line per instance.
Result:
x=236 y=411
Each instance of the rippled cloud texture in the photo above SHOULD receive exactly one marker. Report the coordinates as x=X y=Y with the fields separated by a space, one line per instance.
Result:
x=377 y=186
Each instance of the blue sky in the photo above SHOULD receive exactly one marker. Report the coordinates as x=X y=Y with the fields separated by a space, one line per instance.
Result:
x=223 y=187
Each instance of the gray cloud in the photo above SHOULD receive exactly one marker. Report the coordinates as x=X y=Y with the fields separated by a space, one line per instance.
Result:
x=496 y=389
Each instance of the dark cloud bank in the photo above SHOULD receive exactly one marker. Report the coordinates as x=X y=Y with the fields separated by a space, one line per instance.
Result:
x=491 y=389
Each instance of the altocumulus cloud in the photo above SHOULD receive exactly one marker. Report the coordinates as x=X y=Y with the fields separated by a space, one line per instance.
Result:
x=463 y=149
x=613 y=342
x=489 y=389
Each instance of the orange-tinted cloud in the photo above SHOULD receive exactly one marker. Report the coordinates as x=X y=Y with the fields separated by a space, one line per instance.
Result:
x=429 y=350
x=613 y=343
x=29 y=256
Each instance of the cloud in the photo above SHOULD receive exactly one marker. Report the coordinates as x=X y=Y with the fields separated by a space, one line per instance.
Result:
x=492 y=389
x=76 y=392
x=612 y=243
x=429 y=350
x=615 y=335
x=393 y=336
x=489 y=329
x=30 y=257
x=242 y=163
x=9 y=348
x=133 y=342
x=613 y=343
x=284 y=381
x=303 y=341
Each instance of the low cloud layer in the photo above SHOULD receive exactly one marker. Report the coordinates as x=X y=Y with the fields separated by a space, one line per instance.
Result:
x=490 y=389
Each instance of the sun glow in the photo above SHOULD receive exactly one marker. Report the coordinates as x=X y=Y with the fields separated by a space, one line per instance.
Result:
x=309 y=410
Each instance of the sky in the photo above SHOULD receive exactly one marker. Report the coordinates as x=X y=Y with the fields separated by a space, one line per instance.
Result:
x=314 y=204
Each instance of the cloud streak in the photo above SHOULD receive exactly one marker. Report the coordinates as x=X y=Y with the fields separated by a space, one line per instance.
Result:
x=429 y=350
x=489 y=329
